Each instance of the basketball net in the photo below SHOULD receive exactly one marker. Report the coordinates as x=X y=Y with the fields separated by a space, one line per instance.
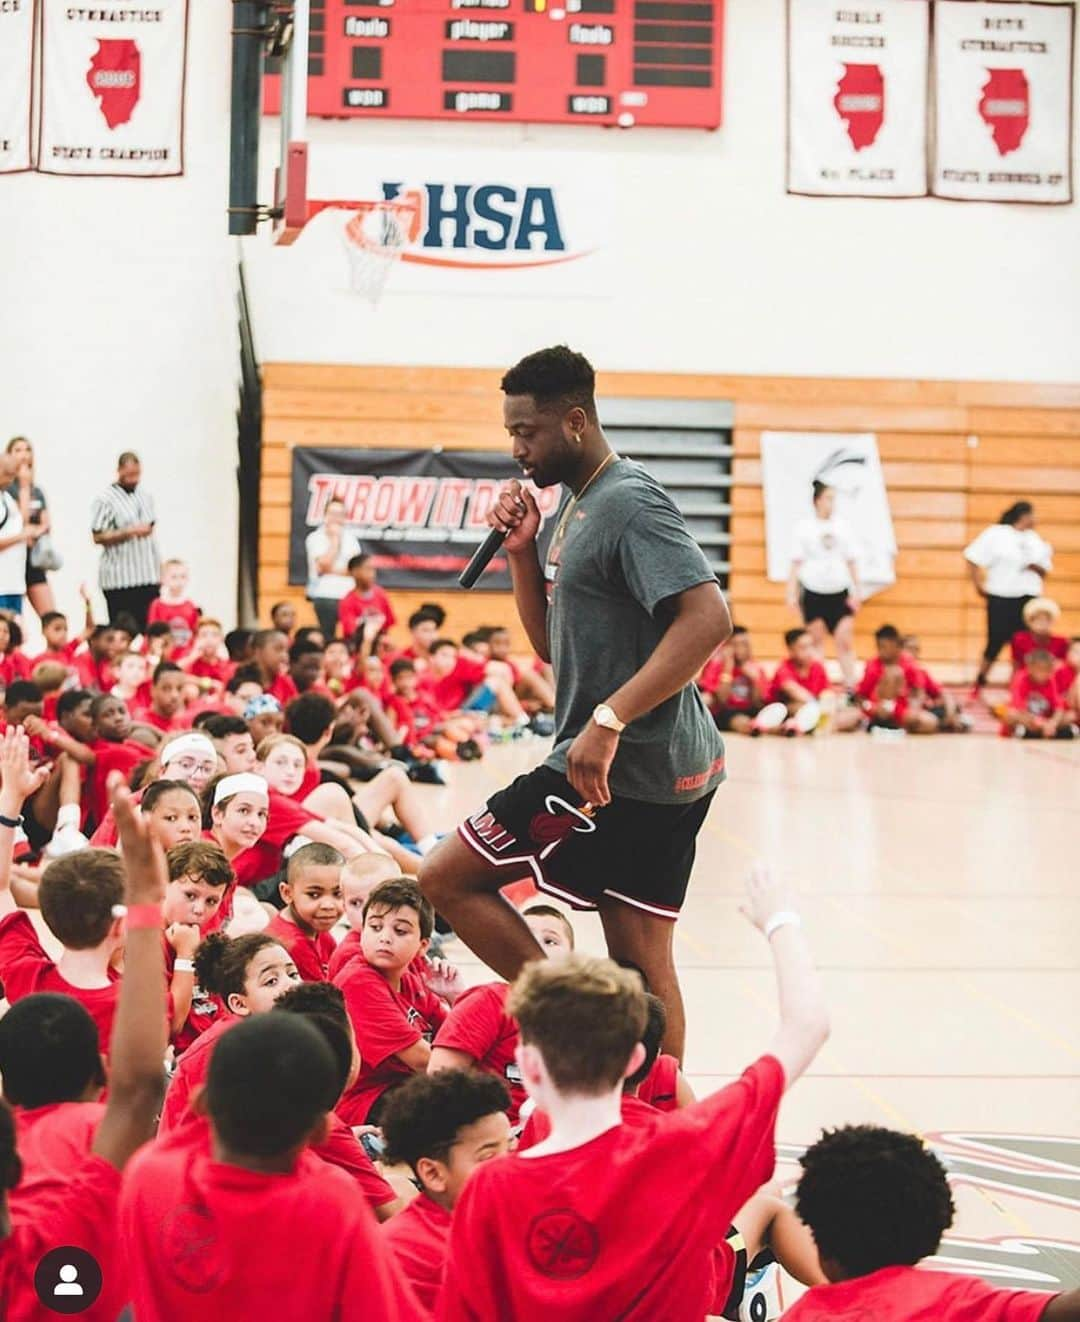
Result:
x=375 y=238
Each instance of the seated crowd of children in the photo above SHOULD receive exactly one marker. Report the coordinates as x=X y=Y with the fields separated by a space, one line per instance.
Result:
x=897 y=691
x=239 y=1022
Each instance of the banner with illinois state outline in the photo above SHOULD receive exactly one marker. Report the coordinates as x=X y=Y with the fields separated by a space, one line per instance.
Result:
x=857 y=92
x=1003 y=101
x=112 y=87
x=16 y=74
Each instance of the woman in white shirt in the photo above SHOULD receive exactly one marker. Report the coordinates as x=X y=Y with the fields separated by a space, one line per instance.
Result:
x=1007 y=562
x=329 y=550
x=824 y=579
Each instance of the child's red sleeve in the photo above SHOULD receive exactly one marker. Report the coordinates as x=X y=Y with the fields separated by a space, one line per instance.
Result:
x=473 y=1025
x=379 y=1020
x=22 y=956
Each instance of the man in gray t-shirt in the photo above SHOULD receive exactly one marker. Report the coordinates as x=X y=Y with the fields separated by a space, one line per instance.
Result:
x=627 y=610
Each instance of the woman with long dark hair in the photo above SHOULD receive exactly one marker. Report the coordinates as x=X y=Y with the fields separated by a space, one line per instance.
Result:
x=824 y=579
x=31 y=501
x=1007 y=562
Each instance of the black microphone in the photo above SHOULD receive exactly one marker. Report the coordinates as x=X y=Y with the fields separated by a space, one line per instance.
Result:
x=481 y=558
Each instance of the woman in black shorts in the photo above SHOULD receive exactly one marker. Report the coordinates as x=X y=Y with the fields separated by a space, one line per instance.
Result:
x=824 y=579
x=31 y=500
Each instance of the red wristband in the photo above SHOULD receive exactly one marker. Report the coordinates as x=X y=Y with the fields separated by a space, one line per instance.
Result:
x=141 y=915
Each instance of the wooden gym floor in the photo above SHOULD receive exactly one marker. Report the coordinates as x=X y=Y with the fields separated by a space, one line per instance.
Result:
x=939 y=880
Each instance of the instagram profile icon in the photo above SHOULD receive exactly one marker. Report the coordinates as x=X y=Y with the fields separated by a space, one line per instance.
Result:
x=68 y=1280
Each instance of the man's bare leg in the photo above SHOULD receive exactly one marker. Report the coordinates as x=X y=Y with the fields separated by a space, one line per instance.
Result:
x=464 y=889
x=648 y=941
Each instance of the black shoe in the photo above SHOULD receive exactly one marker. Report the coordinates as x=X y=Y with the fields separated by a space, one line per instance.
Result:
x=426 y=773
x=543 y=725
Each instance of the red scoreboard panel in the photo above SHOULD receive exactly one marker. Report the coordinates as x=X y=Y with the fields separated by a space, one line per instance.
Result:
x=651 y=62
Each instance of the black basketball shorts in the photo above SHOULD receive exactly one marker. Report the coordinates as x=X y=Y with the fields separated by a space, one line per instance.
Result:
x=639 y=853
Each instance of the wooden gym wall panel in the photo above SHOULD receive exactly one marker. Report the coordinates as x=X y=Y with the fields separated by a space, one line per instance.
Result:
x=954 y=453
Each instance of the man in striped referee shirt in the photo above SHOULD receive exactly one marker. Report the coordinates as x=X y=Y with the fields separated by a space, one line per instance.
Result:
x=122 y=521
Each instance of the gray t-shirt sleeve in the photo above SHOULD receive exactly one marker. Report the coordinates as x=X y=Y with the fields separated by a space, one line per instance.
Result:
x=657 y=555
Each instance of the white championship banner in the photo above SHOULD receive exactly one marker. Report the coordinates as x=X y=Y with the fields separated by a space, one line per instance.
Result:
x=849 y=463
x=857 y=88
x=16 y=72
x=112 y=88
x=1003 y=90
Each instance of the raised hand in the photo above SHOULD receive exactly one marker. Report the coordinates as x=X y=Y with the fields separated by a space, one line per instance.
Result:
x=765 y=896
x=19 y=779
x=144 y=859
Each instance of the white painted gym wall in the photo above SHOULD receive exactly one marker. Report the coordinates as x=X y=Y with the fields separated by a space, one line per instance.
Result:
x=118 y=332
x=717 y=269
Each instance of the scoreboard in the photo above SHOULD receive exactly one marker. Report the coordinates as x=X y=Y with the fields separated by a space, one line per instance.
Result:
x=647 y=62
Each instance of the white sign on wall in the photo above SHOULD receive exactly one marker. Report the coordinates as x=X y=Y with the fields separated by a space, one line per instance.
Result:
x=112 y=89
x=486 y=222
x=857 y=86
x=1003 y=91
x=791 y=462
x=16 y=67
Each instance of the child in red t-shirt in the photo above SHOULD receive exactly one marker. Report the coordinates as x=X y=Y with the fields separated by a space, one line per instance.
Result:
x=340 y=669
x=59 y=645
x=173 y=607
x=890 y=691
x=479 y=1033
x=456 y=683
x=1040 y=615
x=1036 y=709
x=359 y=877
x=394 y=1012
x=207 y=661
x=365 y=602
x=314 y=903
x=799 y=683
x=114 y=749
x=199 y=880
x=877 y=1202
x=442 y=1126
x=76 y=895
x=270 y=1088
x=944 y=706
x=246 y=974
x=166 y=707
x=559 y=1229
x=733 y=684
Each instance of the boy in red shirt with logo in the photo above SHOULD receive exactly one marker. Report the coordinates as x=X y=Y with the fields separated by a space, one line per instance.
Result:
x=394 y=1012
x=798 y=683
x=442 y=1126
x=877 y=1202
x=890 y=690
x=59 y=646
x=367 y=601
x=191 y=1223
x=733 y=684
x=1036 y=709
x=314 y=903
x=558 y=1231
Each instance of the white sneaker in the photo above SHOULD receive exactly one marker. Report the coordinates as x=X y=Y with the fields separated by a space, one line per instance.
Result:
x=67 y=840
x=761 y=1295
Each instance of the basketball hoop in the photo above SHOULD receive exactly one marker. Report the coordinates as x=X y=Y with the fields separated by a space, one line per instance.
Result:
x=375 y=238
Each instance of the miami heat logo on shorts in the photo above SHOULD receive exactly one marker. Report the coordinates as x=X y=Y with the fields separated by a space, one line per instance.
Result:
x=559 y=820
x=189 y=1243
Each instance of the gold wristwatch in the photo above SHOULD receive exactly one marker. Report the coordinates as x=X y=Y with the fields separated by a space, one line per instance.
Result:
x=604 y=716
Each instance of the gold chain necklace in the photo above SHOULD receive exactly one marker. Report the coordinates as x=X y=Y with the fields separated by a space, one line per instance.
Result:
x=572 y=502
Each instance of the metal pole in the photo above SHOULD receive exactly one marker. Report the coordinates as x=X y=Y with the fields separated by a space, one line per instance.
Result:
x=248 y=36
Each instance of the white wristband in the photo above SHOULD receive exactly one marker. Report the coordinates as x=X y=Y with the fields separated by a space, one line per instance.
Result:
x=183 y=966
x=783 y=918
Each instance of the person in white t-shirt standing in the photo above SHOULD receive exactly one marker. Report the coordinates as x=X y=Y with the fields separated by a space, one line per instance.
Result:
x=329 y=550
x=1007 y=562
x=824 y=580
